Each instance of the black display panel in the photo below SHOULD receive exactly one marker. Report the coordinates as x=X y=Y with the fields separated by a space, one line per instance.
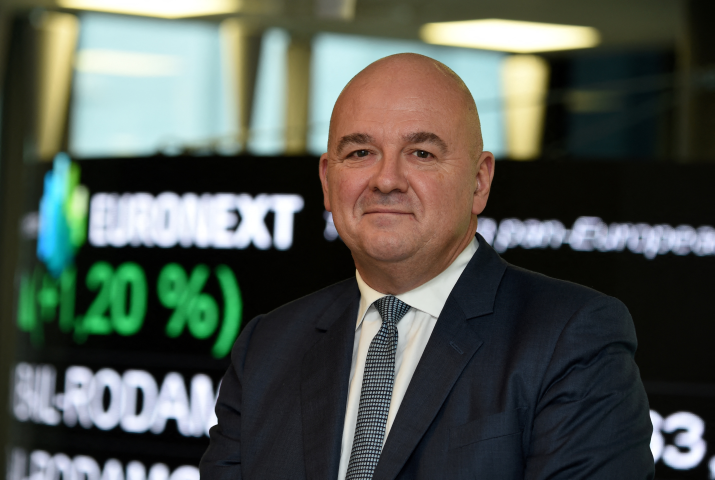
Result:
x=136 y=275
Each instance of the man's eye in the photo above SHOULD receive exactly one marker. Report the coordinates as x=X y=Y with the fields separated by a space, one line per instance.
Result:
x=422 y=154
x=361 y=153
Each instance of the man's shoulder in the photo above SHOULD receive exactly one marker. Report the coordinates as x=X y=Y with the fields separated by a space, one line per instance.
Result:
x=537 y=283
x=307 y=311
x=489 y=278
x=317 y=302
x=558 y=297
x=293 y=324
x=548 y=311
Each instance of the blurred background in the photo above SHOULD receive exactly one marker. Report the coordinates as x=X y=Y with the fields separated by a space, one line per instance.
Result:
x=158 y=167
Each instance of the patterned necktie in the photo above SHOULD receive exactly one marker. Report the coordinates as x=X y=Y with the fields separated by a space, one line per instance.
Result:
x=376 y=391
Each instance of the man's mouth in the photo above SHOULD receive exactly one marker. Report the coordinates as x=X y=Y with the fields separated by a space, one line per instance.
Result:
x=387 y=211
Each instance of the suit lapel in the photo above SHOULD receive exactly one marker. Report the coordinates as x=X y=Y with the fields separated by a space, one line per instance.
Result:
x=450 y=348
x=325 y=373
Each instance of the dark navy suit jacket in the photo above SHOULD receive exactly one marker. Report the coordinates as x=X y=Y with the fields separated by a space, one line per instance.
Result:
x=524 y=377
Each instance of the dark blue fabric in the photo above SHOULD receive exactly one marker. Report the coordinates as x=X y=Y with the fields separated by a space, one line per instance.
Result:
x=524 y=377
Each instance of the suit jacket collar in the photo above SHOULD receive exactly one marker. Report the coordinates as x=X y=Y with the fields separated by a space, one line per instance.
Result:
x=452 y=345
x=325 y=377
x=476 y=289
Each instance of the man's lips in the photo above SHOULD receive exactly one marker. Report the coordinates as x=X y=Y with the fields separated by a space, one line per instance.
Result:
x=392 y=212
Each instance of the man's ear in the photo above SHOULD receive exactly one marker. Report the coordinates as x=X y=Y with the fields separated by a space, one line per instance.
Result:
x=323 y=173
x=485 y=175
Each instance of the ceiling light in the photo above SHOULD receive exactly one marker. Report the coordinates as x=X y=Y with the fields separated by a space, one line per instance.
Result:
x=510 y=35
x=156 y=8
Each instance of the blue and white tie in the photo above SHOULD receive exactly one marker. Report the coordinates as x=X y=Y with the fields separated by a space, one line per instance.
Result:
x=376 y=391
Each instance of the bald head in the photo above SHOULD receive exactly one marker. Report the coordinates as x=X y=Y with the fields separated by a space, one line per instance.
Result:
x=413 y=76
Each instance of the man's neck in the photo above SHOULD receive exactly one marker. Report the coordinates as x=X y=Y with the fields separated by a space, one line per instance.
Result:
x=395 y=278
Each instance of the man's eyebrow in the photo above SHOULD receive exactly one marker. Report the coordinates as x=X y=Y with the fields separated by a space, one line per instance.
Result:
x=353 y=138
x=425 y=137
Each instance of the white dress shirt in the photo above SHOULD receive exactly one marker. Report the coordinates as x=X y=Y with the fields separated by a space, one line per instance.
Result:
x=413 y=332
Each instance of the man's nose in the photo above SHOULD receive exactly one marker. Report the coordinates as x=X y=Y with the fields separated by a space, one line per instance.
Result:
x=389 y=175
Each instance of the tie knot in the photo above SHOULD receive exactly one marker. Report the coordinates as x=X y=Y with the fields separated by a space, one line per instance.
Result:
x=391 y=309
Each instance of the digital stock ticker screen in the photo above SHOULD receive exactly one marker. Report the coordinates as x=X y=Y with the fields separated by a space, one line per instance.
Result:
x=136 y=276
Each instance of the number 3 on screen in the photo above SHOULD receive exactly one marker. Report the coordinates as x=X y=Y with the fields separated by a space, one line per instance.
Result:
x=689 y=439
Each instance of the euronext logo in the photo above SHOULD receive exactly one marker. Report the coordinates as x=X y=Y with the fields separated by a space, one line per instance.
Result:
x=63 y=216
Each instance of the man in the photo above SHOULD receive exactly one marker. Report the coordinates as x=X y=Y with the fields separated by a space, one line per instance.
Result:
x=439 y=360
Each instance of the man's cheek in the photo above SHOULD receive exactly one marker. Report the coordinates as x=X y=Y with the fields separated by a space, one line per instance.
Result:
x=346 y=185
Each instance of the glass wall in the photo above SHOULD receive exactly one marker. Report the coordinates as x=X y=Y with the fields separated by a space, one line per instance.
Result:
x=144 y=86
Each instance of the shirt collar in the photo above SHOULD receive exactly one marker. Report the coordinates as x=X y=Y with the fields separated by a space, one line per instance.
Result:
x=429 y=297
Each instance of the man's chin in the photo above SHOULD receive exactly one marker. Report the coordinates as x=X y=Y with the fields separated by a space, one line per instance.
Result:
x=389 y=248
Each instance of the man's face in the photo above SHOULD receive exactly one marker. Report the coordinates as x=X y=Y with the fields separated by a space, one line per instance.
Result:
x=401 y=173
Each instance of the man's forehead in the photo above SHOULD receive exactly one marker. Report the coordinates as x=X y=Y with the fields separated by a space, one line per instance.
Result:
x=397 y=92
x=391 y=109
x=395 y=116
